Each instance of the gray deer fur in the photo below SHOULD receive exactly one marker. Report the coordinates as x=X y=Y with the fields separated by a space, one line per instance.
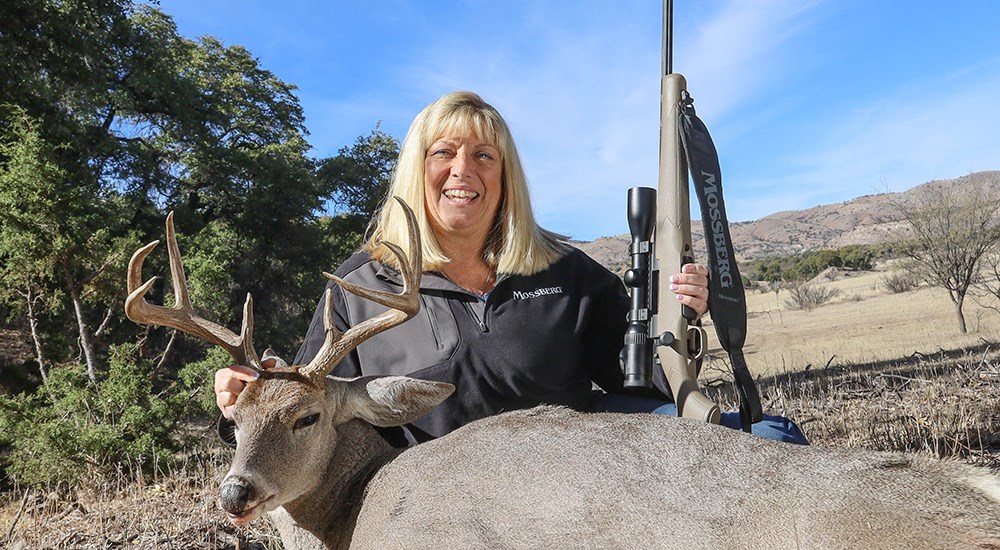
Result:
x=550 y=477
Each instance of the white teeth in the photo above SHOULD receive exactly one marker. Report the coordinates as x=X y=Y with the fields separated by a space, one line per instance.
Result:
x=460 y=194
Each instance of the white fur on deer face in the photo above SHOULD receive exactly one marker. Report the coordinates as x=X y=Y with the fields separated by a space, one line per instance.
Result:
x=286 y=433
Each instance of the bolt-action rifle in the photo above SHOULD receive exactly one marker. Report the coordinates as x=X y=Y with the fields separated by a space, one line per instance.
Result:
x=660 y=225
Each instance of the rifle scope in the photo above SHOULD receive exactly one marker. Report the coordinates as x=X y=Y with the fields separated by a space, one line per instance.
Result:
x=640 y=279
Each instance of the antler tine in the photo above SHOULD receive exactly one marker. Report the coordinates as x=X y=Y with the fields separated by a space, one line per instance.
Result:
x=182 y=315
x=416 y=264
x=246 y=336
x=181 y=297
x=402 y=306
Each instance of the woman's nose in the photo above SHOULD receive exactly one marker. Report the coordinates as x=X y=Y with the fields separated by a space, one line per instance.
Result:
x=460 y=166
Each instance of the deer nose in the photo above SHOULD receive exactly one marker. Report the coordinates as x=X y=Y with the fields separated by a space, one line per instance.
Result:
x=234 y=494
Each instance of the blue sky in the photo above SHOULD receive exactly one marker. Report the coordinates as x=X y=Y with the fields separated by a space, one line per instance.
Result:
x=809 y=101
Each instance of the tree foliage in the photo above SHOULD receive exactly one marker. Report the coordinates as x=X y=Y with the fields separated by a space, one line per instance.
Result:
x=94 y=158
x=57 y=238
x=805 y=266
x=358 y=178
x=360 y=174
x=109 y=119
x=76 y=430
x=950 y=231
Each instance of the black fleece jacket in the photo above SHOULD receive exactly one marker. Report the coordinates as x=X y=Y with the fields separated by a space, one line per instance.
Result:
x=547 y=338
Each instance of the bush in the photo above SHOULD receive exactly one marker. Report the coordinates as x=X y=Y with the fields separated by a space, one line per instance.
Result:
x=806 y=265
x=69 y=430
x=810 y=296
x=197 y=382
x=898 y=282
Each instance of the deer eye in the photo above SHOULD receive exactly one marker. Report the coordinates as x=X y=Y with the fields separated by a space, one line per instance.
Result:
x=306 y=421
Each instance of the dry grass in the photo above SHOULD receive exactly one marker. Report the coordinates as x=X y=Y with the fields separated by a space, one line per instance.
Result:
x=178 y=509
x=875 y=369
x=946 y=404
x=869 y=370
x=864 y=324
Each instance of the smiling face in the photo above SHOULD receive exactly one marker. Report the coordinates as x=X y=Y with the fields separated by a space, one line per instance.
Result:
x=463 y=185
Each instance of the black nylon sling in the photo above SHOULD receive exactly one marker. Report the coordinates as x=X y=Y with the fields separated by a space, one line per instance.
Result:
x=726 y=297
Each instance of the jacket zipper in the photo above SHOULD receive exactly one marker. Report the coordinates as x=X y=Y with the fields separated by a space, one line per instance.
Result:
x=435 y=331
x=480 y=321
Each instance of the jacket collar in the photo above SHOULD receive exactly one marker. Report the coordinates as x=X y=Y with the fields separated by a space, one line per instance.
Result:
x=430 y=280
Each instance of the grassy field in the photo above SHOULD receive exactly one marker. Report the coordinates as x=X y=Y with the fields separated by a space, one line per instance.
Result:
x=870 y=369
x=864 y=323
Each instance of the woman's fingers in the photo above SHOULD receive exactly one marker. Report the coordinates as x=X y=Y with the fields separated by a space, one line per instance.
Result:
x=229 y=382
x=691 y=287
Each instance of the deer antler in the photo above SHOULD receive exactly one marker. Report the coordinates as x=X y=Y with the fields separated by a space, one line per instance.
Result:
x=402 y=306
x=182 y=315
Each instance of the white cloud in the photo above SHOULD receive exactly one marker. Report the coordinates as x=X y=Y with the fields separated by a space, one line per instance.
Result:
x=581 y=92
x=935 y=129
x=742 y=49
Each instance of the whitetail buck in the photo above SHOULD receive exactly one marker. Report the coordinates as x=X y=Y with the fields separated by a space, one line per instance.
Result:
x=549 y=477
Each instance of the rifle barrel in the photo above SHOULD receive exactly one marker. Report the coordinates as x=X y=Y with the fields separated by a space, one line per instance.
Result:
x=668 y=37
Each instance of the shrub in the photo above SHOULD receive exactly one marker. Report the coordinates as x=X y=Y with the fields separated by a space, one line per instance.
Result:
x=806 y=265
x=196 y=395
x=69 y=430
x=809 y=296
x=898 y=282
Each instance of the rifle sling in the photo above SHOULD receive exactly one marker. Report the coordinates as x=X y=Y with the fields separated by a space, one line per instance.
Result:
x=726 y=297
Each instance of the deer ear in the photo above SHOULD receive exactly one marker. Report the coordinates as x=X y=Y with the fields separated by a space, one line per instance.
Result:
x=270 y=360
x=394 y=400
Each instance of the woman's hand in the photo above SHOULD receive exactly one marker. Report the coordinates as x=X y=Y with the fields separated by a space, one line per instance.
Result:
x=229 y=382
x=691 y=287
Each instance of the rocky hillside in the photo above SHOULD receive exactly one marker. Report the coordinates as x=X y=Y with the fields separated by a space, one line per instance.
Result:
x=865 y=220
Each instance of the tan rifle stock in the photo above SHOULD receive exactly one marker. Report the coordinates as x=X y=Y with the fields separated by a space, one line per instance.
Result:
x=673 y=249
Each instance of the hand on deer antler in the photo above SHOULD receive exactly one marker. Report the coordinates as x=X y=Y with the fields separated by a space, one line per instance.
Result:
x=402 y=306
x=182 y=315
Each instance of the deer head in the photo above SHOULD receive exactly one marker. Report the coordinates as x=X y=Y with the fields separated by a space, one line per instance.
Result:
x=288 y=419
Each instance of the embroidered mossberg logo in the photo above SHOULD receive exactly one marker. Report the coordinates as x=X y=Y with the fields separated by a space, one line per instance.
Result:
x=518 y=295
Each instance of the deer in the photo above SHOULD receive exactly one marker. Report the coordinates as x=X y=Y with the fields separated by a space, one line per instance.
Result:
x=309 y=456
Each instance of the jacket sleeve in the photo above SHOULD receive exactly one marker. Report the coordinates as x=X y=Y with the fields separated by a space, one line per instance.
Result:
x=605 y=333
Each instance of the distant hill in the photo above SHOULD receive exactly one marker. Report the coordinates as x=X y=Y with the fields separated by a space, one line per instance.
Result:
x=865 y=220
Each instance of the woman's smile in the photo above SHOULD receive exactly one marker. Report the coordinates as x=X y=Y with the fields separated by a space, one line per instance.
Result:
x=462 y=185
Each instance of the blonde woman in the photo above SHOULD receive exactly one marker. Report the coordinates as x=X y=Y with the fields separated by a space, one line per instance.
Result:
x=510 y=314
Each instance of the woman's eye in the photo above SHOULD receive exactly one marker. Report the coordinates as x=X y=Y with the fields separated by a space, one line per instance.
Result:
x=306 y=421
x=485 y=156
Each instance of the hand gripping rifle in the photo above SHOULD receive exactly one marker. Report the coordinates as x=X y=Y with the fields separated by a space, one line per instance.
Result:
x=658 y=250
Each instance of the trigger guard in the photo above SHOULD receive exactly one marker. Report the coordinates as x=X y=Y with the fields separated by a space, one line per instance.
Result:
x=696 y=342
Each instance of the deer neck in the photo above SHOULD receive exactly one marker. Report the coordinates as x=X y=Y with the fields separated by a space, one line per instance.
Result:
x=330 y=511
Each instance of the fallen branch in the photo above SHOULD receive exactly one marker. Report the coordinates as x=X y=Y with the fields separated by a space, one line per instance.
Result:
x=17 y=517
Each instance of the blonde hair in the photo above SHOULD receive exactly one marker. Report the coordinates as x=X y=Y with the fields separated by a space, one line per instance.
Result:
x=516 y=244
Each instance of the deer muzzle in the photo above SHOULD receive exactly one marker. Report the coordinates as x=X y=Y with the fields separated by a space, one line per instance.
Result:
x=240 y=500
